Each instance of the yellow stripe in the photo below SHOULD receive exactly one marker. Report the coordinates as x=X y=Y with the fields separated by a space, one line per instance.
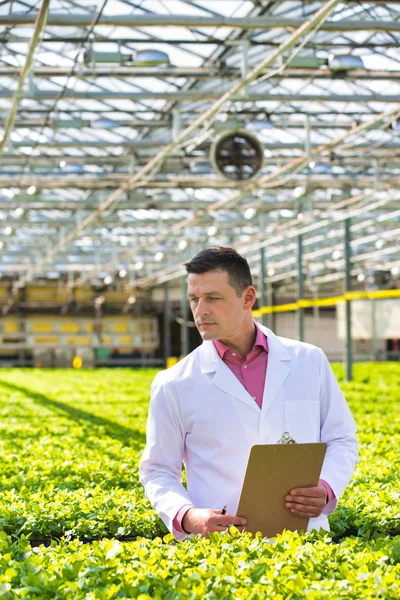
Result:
x=376 y=295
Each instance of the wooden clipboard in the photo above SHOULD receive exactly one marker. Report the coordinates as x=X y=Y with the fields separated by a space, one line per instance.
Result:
x=272 y=471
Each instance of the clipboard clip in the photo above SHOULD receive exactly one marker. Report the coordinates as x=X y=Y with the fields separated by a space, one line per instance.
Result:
x=286 y=439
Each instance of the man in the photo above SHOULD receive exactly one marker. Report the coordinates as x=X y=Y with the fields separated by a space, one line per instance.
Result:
x=242 y=386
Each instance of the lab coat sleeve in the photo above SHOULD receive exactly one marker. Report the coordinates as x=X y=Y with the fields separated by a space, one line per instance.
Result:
x=160 y=470
x=338 y=431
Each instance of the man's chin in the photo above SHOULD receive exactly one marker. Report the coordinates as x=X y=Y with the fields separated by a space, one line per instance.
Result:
x=208 y=335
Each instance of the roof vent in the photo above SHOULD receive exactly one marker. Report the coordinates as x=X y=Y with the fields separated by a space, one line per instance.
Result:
x=237 y=155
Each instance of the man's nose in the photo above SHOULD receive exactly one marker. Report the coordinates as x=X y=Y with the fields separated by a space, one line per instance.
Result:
x=202 y=308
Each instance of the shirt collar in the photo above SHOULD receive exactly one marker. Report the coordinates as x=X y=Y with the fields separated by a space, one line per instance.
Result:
x=260 y=341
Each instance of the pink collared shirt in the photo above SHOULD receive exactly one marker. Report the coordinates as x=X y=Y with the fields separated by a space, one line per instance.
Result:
x=251 y=372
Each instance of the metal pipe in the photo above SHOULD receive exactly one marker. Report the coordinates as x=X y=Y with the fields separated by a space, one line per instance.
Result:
x=154 y=20
x=185 y=317
x=167 y=322
x=95 y=124
x=204 y=96
x=145 y=144
x=199 y=72
x=300 y=286
x=40 y=24
x=347 y=251
x=264 y=318
x=105 y=181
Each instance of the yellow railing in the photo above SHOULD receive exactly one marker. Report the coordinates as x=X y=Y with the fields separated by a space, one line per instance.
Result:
x=377 y=295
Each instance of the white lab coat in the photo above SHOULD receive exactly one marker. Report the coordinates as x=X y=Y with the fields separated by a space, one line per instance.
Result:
x=202 y=415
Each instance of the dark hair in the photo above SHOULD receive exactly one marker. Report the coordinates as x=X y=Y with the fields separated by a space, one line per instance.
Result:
x=223 y=259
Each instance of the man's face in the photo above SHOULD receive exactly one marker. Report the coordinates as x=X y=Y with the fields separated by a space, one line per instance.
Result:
x=218 y=312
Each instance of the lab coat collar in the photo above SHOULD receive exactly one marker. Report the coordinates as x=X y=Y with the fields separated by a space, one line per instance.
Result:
x=224 y=379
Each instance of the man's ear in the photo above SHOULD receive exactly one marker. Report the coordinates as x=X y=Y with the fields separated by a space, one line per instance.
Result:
x=249 y=297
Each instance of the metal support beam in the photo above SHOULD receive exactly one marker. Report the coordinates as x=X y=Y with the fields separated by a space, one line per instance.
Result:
x=40 y=25
x=150 y=144
x=204 y=121
x=204 y=96
x=77 y=123
x=210 y=72
x=167 y=323
x=286 y=169
x=347 y=252
x=136 y=21
x=300 y=286
x=264 y=318
x=185 y=317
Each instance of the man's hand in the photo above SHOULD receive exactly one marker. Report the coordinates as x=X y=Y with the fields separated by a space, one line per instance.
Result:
x=307 y=502
x=204 y=520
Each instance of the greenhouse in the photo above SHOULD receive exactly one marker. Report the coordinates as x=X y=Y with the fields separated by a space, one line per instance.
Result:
x=136 y=136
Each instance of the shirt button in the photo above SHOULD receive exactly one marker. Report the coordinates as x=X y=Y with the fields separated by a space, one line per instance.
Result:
x=245 y=367
x=254 y=397
x=233 y=354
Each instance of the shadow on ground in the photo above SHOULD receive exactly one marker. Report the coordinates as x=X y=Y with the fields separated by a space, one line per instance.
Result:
x=126 y=435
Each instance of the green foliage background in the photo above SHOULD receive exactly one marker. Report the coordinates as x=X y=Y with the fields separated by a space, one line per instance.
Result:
x=70 y=447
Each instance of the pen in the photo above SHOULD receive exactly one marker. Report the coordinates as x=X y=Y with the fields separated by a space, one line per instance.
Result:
x=223 y=511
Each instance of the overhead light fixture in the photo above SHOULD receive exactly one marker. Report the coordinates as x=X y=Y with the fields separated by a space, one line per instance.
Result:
x=122 y=273
x=62 y=164
x=395 y=271
x=139 y=265
x=31 y=190
x=103 y=124
x=361 y=277
x=249 y=213
x=379 y=244
x=131 y=300
x=306 y=62
x=271 y=272
x=211 y=231
x=299 y=191
x=345 y=62
x=8 y=230
x=182 y=245
x=300 y=216
x=107 y=279
x=336 y=254
x=90 y=56
x=312 y=164
x=159 y=256
x=286 y=213
x=150 y=58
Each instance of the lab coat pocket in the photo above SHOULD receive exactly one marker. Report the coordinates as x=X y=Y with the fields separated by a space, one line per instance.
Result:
x=302 y=420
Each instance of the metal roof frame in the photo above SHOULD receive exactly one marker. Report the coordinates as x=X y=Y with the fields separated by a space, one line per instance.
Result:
x=119 y=154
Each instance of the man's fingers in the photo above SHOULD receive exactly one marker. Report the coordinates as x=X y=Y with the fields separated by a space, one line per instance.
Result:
x=304 y=501
x=305 y=513
x=223 y=522
x=310 y=492
x=227 y=520
x=225 y=528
